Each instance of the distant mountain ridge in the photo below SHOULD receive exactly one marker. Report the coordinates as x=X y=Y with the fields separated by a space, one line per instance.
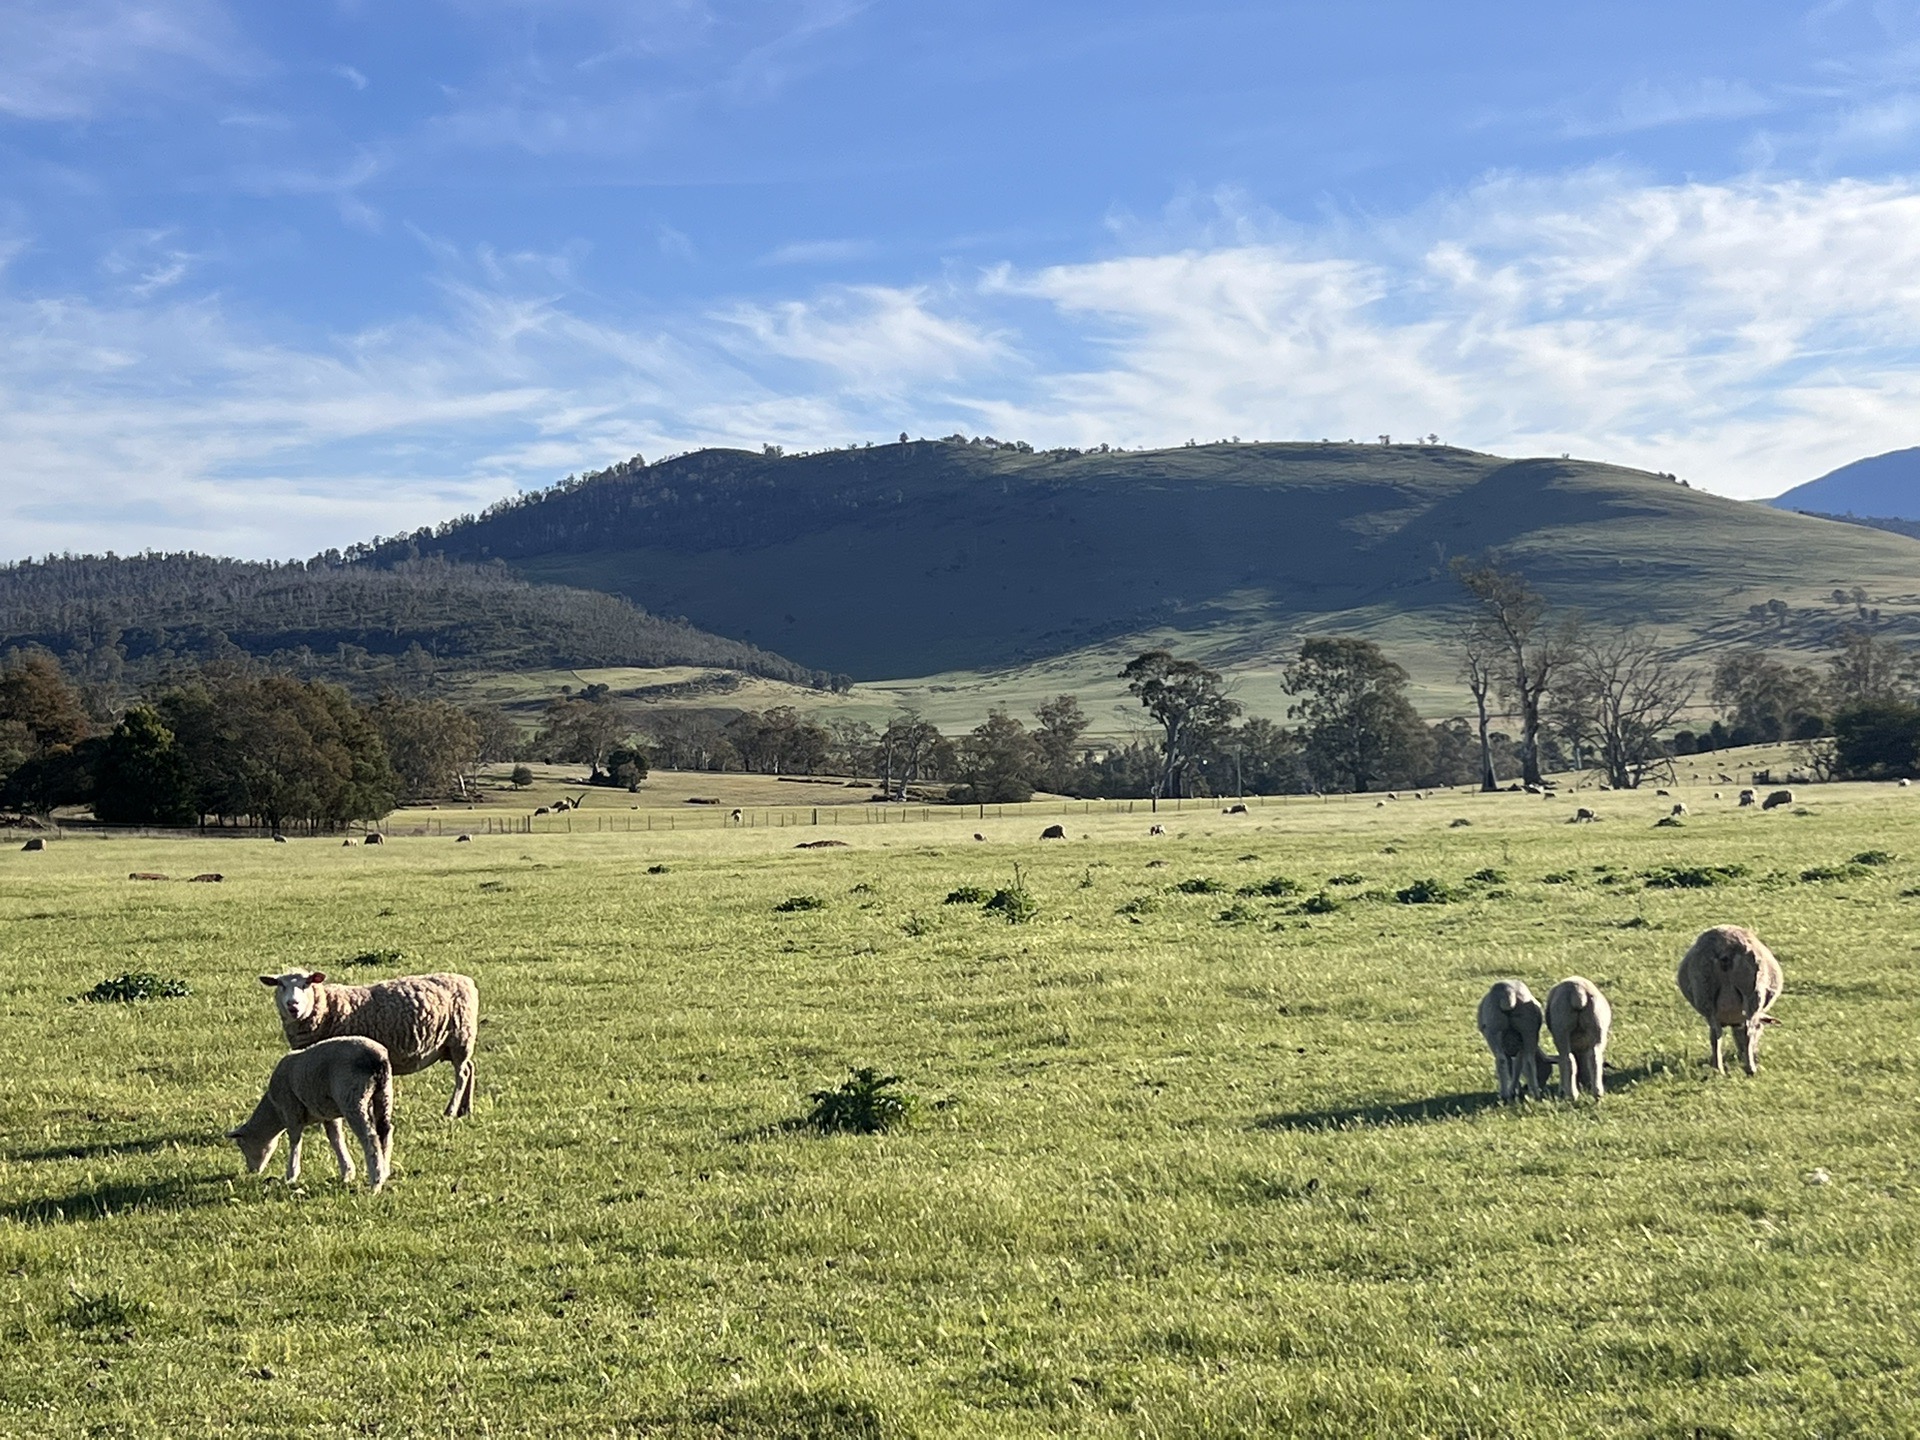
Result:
x=1880 y=486
x=934 y=556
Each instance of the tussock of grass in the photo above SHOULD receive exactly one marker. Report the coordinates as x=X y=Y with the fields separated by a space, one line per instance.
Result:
x=135 y=985
x=967 y=895
x=795 y=903
x=1691 y=877
x=1200 y=885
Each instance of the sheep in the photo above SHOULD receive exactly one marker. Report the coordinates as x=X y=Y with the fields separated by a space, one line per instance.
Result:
x=1904 y=782
x=1156 y=830
x=1732 y=980
x=734 y=817
x=347 y=1078
x=1777 y=799
x=38 y=842
x=978 y=836
x=1746 y=798
x=1679 y=808
x=376 y=838
x=1583 y=814
x=211 y=877
x=1234 y=810
x=463 y=839
x=1579 y=1017
x=347 y=843
x=421 y=1019
x=1510 y=1020
x=1054 y=832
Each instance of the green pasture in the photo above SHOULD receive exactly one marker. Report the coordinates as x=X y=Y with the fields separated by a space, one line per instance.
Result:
x=1189 y=1159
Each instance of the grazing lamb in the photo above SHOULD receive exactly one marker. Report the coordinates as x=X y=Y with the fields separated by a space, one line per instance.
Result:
x=1579 y=1017
x=1584 y=814
x=1156 y=830
x=1054 y=832
x=1679 y=808
x=349 y=1078
x=376 y=838
x=1234 y=810
x=1731 y=979
x=735 y=817
x=1777 y=799
x=1510 y=1020
x=36 y=843
x=1746 y=798
x=421 y=1019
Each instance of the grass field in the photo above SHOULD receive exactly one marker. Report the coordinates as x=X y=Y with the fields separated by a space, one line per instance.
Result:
x=1188 y=1161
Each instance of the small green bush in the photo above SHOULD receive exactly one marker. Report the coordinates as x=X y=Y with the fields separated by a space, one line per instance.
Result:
x=1489 y=876
x=1459 y=824
x=917 y=925
x=1238 y=913
x=1272 y=889
x=1200 y=886
x=1320 y=903
x=1139 y=905
x=1875 y=857
x=656 y=870
x=1835 y=872
x=376 y=959
x=1427 y=892
x=967 y=895
x=867 y=1103
x=800 y=902
x=102 y=1310
x=1015 y=903
x=1692 y=877
x=1351 y=877
x=136 y=985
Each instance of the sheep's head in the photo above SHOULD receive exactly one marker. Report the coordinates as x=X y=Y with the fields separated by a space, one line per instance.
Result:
x=256 y=1148
x=293 y=993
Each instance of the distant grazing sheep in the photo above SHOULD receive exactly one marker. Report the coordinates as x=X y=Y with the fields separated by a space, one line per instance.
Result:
x=1579 y=1017
x=1583 y=814
x=1904 y=783
x=376 y=838
x=1777 y=799
x=1679 y=808
x=735 y=817
x=463 y=839
x=212 y=877
x=349 y=1078
x=1732 y=980
x=1234 y=810
x=1156 y=830
x=348 y=841
x=543 y=810
x=421 y=1019
x=1658 y=793
x=279 y=839
x=1510 y=1020
x=1054 y=832
x=1746 y=798
x=36 y=843
x=145 y=875
x=978 y=836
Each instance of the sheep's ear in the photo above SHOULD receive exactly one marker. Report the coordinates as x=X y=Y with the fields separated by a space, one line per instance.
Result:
x=316 y=977
x=272 y=982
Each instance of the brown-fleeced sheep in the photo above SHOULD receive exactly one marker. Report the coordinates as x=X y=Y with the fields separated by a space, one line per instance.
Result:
x=1732 y=980
x=1054 y=832
x=421 y=1019
x=1578 y=1018
x=1510 y=1020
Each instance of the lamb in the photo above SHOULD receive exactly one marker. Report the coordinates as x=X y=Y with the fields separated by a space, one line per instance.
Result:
x=1746 y=798
x=1583 y=815
x=1679 y=808
x=1156 y=830
x=421 y=1019
x=1777 y=799
x=1054 y=832
x=347 y=1078
x=1579 y=1017
x=1732 y=980
x=375 y=838
x=1510 y=1020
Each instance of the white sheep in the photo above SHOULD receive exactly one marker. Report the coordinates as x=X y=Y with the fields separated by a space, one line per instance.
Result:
x=1732 y=980
x=1156 y=830
x=1679 y=809
x=349 y=1078
x=1579 y=1017
x=421 y=1019
x=1510 y=1020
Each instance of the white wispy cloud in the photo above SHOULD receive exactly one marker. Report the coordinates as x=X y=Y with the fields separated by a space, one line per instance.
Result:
x=73 y=59
x=1747 y=335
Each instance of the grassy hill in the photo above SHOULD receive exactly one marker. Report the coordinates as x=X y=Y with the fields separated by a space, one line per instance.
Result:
x=972 y=563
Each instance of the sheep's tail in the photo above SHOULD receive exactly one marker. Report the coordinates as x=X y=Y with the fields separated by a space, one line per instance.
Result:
x=1581 y=999
x=383 y=1104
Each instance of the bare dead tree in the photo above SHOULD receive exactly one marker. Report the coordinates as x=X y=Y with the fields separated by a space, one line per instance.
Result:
x=1536 y=647
x=1481 y=649
x=1638 y=691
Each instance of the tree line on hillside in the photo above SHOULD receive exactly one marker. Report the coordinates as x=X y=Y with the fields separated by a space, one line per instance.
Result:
x=124 y=623
x=230 y=744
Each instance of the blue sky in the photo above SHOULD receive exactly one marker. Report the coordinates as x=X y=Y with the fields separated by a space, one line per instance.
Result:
x=278 y=277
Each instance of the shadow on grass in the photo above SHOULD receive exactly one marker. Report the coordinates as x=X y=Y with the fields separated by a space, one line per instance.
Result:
x=176 y=1192
x=1438 y=1107
x=106 y=1149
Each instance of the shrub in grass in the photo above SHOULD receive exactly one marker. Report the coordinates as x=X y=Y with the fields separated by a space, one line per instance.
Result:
x=1692 y=877
x=866 y=1103
x=1459 y=824
x=1200 y=885
x=1272 y=889
x=1238 y=913
x=1427 y=892
x=101 y=1310
x=1139 y=905
x=917 y=925
x=656 y=869
x=1351 y=877
x=1875 y=857
x=1016 y=903
x=136 y=985
x=1320 y=903
x=1835 y=872
x=967 y=895
x=1558 y=877
x=1489 y=876
x=800 y=902
x=372 y=959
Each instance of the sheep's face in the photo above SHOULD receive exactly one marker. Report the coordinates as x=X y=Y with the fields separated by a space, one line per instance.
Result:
x=293 y=993
x=255 y=1149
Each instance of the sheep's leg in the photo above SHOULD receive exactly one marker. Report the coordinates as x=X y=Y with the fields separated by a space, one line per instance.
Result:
x=1569 y=1074
x=295 y=1133
x=461 y=1102
x=337 y=1138
x=1713 y=1048
x=1507 y=1070
x=370 y=1147
x=1597 y=1077
x=1747 y=1037
x=1530 y=1071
